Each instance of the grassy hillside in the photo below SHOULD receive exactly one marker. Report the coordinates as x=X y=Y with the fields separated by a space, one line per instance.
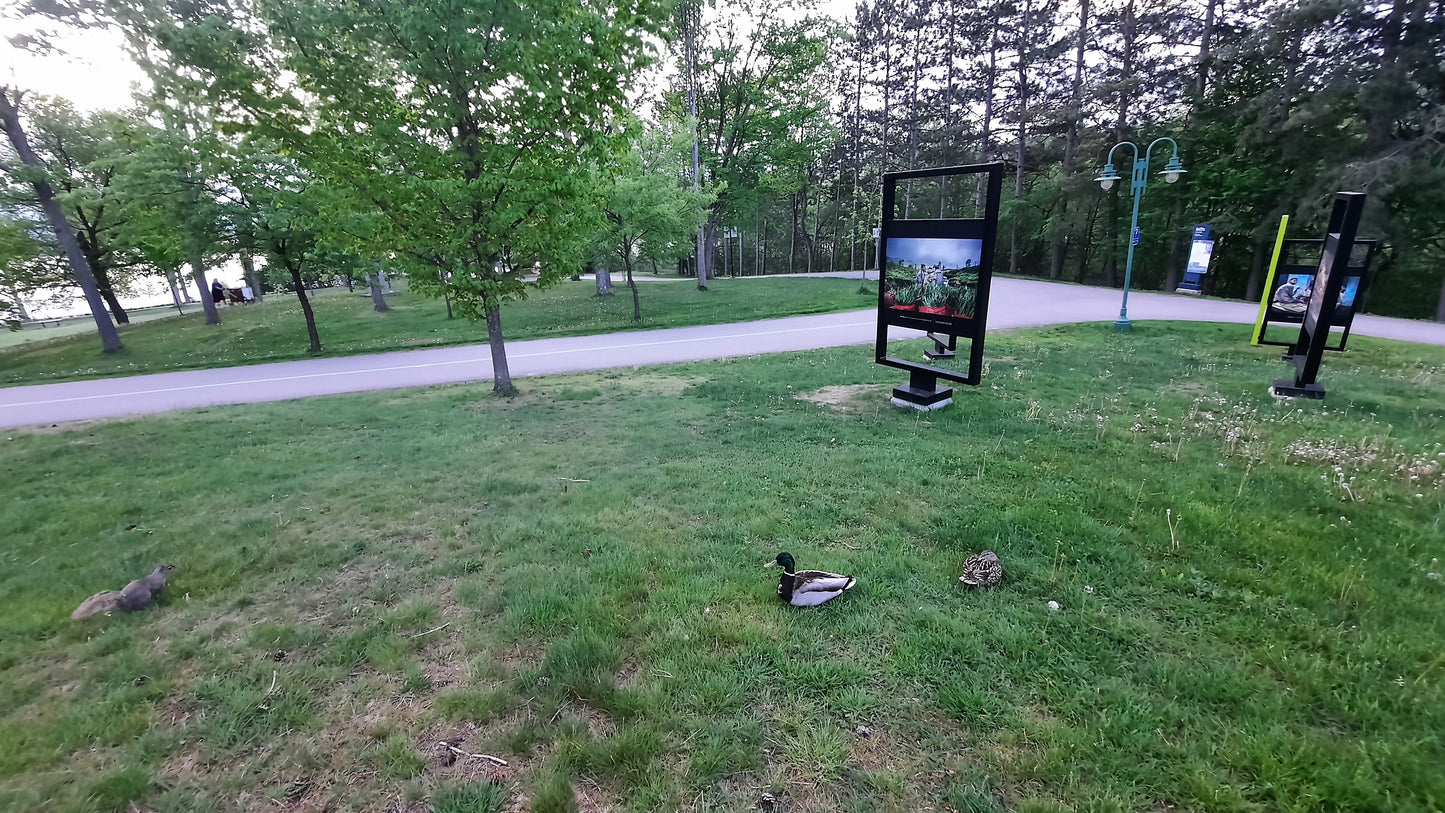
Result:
x=571 y=581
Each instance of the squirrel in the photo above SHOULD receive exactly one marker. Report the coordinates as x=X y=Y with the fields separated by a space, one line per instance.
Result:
x=137 y=595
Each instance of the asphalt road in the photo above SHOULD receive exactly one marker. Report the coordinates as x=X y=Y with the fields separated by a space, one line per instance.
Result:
x=1016 y=303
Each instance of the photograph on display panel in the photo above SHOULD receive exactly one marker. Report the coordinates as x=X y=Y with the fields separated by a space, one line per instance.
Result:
x=1291 y=296
x=932 y=277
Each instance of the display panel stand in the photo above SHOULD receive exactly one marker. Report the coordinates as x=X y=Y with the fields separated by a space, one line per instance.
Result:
x=1329 y=279
x=935 y=277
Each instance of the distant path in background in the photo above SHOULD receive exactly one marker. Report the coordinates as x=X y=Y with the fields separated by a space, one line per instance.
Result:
x=1016 y=303
x=76 y=325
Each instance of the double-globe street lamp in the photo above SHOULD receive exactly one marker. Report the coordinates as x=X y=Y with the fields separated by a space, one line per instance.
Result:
x=1109 y=177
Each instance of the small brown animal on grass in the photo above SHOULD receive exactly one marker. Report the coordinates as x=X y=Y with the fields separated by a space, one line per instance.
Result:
x=137 y=595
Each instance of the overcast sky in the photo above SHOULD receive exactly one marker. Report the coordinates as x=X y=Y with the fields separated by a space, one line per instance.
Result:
x=929 y=250
x=96 y=74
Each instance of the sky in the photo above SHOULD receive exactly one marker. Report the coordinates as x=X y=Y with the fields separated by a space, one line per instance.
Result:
x=928 y=250
x=94 y=74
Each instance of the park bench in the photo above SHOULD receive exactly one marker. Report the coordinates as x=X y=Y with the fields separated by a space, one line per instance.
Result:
x=236 y=296
x=38 y=323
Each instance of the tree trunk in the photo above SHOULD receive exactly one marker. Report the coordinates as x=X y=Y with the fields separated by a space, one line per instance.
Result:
x=1126 y=94
x=631 y=283
x=761 y=266
x=793 y=233
x=837 y=222
x=171 y=275
x=501 y=376
x=306 y=308
x=378 y=299
x=1177 y=257
x=857 y=159
x=986 y=126
x=10 y=122
x=813 y=248
x=1384 y=97
x=709 y=249
x=19 y=304
x=948 y=96
x=604 y=281
x=248 y=267
x=198 y=275
x=700 y=257
x=1440 y=307
x=1022 y=65
x=887 y=49
x=1071 y=145
x=1256 y=271
x=107 y=292
x=1086 y=252
x=913 y=120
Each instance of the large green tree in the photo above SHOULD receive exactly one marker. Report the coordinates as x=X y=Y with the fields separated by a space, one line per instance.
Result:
x=762 y=108
x=24 y=267
x=465 y=134
x=650 y=208
x=86 y=156
x=28 y=167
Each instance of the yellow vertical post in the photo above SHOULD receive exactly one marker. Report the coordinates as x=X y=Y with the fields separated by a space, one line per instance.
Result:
x=1269 y=280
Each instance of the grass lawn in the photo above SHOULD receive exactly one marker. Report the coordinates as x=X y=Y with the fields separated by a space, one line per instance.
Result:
x=276 y=329
x=571 y=581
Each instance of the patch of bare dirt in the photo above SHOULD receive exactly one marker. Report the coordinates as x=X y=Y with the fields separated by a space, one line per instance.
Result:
x=656 y=384
x=523 y=399
x=1192 y=387
x=627 y=676
x=881 y=750
x=838 y=397
x=593 y=798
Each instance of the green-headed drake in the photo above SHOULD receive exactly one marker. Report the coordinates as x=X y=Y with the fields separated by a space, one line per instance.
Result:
x=808 y=588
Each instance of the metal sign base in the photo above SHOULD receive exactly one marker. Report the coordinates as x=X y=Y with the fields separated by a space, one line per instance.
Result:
x=1329 y=280
x=922 y=392
x=1286 y=388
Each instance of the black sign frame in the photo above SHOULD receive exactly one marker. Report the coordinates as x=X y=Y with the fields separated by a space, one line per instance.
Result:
x=1339 y=244
x=1288 y=267
x=923 y=391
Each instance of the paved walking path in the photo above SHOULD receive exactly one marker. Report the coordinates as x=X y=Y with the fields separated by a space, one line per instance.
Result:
x=1016 y=303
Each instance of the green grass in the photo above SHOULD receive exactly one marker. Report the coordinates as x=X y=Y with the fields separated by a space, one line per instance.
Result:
x=276 y=331
x=574 y=585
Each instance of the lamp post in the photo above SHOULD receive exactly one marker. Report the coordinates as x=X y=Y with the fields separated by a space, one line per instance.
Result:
x=1109 y=177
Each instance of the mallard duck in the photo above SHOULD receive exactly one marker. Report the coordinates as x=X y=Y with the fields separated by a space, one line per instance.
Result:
x=982 y=570
x=808 y=588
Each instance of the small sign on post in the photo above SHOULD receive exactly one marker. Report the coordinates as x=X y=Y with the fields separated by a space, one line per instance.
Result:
x=1324 y=297
x=1135 y=239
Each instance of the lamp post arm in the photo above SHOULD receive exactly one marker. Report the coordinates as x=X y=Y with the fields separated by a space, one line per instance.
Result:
x=1172 y=143
x=1135 y=147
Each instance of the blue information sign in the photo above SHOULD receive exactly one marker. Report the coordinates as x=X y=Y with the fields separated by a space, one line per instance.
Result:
x=1136 y=236
x=1202 y=231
